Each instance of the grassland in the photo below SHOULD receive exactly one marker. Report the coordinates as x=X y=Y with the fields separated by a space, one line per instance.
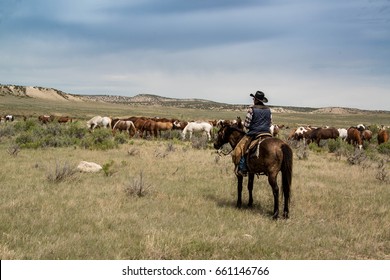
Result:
x=186 y=209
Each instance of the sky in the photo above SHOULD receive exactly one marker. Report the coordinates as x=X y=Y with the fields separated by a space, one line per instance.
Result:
x=306 y=53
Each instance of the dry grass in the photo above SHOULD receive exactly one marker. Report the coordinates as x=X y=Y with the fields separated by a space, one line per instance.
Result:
x=337 y=212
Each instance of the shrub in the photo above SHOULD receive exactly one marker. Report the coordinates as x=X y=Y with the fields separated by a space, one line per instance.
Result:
x=107 y=168
x=26 y=125
x=61 y=172
x=334 y=145
x=358 y=157
x=382 y=174
x=199 y=142
x=99 y=139
x=7 y=131
x=25 y=139
x=121 y=138
x=302 y=150
x=75 y=131
x=315 y=148
x=384 y=148
x=138 y=187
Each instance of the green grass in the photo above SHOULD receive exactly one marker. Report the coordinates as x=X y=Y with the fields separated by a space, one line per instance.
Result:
x=338 y=210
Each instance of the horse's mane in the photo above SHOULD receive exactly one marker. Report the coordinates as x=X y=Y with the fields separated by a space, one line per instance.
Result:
x=233 y=128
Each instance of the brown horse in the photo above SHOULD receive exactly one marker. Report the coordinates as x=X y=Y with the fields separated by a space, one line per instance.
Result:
x=64 y=119
x=46 y=118
x=354 y=137
x=383 y=136
x=319 y=134
x=271 y=156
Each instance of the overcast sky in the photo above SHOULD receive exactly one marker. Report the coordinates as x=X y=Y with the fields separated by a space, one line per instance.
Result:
x=311 y=53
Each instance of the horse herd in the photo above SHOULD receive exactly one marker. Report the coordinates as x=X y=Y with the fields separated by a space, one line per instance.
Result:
x=143 y=126
x=354 y=135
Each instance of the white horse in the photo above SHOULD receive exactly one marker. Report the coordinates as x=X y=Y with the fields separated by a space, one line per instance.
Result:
x=99 y=121
x=106 y=122
x=197 y=126
x=274 y=129
x=343 y=133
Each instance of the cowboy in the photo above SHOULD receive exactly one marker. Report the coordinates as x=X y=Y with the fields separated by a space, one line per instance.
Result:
x=258 y=120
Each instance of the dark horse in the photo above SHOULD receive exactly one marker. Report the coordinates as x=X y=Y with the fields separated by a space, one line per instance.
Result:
x=274 y=155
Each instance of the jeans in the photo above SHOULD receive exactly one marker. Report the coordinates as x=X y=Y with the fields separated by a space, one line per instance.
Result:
x=242 y=165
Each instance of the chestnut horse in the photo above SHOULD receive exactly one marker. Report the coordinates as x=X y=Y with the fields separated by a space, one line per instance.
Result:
x=383 y=136
x=272 y=155
x=354 y=137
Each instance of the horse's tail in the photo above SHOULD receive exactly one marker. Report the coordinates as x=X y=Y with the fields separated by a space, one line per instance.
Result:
x=287 y=165
x=133 y=127
x=113 y=128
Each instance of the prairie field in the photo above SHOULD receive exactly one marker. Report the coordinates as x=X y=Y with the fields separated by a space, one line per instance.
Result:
x=173 y=199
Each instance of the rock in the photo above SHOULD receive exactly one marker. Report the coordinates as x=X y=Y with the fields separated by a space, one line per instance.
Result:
x=91 y=167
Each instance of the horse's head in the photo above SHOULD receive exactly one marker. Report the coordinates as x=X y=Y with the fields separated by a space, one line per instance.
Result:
x=222 y=137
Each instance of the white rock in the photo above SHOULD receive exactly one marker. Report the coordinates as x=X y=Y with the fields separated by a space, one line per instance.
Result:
x=85 y=166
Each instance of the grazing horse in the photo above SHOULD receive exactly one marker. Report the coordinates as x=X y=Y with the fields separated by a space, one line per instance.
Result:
x=383 y=136
x=354 y=137
x=64 y=119
x=126 y=125
x=197 y=126
x=46 y=118
x=99 y=121
x=323 y=133
x=106 y=122
x=9 y=118
x=343 y=133
x=267 y=158
x=164 y=125
x=366 y=135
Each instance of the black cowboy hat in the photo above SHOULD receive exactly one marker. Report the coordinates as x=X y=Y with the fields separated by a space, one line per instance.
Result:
x=259 y=95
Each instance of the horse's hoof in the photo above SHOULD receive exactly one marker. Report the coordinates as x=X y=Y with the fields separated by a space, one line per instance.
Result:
x=285 y=216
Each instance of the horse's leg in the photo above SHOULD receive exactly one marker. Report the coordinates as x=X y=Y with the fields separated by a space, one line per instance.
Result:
x=275 y=190
x=251 y=178
x=240 y=179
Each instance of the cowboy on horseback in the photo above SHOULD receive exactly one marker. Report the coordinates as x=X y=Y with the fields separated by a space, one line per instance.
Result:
x=258 y=121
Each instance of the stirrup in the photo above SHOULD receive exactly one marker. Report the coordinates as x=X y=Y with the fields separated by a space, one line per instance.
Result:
x=239 y=172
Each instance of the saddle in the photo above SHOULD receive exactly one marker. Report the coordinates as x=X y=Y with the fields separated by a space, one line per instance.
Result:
x=256 y=141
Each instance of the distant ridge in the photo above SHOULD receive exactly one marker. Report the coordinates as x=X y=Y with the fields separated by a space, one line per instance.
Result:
x=155 y=100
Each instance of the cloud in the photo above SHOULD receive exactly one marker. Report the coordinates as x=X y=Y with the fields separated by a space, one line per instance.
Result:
x=305 y=53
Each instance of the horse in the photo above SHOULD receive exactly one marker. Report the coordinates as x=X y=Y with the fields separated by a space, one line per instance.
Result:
x=164 y=125
x=269 y=157
x=274 y=129
x=343 y=133
x=106 y=122
x=323 y=133
x=197 y=126
x=46 y=118
x=64 y=119
x=99 y=121
x=354 y=137
x=122 y=125
x=9 y=118
x=94 y=122
x=366 y=135
x=383 y=136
